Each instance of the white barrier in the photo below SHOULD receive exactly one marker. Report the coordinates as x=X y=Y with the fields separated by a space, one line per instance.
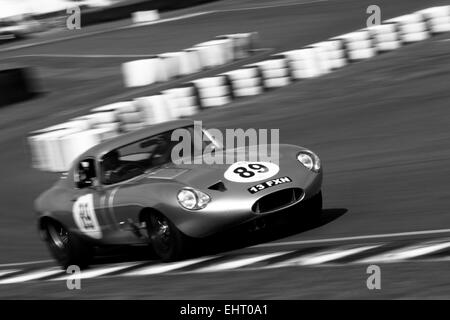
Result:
x=213 y=91
x=242 y=43
x=155 y=109
x=245 y=81
x=274 y=72
x=358 y=45
x=184 y=100
x=385 y=36
x=411 y=27
x=437 y=18
x=143 y=72
x=145 y=16
x=205 y=55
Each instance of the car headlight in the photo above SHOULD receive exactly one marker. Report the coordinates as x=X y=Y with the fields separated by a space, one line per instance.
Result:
x=192 y=199
x=310 y=160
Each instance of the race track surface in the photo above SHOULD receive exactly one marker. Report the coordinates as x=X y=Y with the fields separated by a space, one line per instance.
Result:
x=379 y=126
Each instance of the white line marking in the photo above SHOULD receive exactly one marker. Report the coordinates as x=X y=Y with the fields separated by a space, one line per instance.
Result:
x=165 y=267
x=373 y=236
x=44 y=55
x=182 y=17
x=32 y=275
x=24 y=263
x=97 y=272
x=5 y=272
x=269 y=6
x=407 y=252
x=239 y=263
x=321 y=257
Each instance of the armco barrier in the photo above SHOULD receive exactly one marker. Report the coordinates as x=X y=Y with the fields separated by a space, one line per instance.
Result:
x=54 y=148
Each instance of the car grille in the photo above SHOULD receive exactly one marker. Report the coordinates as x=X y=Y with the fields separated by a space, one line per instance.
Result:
x=278 y=200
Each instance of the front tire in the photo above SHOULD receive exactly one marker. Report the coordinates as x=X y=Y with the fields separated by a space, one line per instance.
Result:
x=67 y=248
x=169 y=243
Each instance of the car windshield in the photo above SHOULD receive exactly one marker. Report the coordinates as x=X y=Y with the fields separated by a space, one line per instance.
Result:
x=139 y=157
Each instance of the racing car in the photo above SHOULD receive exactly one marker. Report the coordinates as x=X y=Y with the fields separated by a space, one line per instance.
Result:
x=129 y=190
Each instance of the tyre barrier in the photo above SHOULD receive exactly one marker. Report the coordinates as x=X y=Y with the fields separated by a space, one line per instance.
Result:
x=15 y=85
x=243 y=43
x=205 y=55
x=55 y=147
x=411 y=27
x=139 y=17
x=185 y=101
x=213 y=91
x=437 y=19
x=245 y=82
x=385 y=36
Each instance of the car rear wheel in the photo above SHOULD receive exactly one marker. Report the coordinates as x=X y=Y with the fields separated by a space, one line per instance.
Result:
x=67 y=248
x=169 y=243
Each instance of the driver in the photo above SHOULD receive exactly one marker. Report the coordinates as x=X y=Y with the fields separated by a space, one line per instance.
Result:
x=111 y=164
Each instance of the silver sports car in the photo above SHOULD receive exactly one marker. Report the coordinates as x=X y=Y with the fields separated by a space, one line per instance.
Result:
x=129 y=190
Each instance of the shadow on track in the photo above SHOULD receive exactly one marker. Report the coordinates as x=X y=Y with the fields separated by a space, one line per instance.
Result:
x=257 y=232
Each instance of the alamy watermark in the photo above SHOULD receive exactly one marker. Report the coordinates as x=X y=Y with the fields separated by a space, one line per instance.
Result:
x=73 y=21
x=74 y=280
x=212 y=146
x=374 y=280
x=375 y=15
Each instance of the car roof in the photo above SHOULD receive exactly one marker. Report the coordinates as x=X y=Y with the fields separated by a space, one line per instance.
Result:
x=127 y=138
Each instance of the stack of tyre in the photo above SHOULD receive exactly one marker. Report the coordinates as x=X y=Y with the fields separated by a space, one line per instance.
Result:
x=246 y=81
x=303 y=63
x=386 y=38
x=359 y=45
x=213 y=91
x=274 y=72
x=205 y=55
x=437 y=19
x=184 y=100
x=154 y=109
x=411 y=27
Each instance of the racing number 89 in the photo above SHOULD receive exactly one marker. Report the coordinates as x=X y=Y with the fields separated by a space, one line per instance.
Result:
x=254 y=167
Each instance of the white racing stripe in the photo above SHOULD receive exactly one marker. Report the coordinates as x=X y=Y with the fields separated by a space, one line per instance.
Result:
x=98 y=272
x=5 y=272
x=165 y=267
x=239 y=263
x=24 y=263
x=321 y=257
x=407 y=252
x=34 y=275
x=364 y=237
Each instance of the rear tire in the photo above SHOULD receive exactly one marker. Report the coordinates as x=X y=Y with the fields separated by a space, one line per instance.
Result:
x=66 y=247
x=169 y=243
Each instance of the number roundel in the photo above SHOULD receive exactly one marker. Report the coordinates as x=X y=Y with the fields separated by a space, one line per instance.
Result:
x=85 y=217
x=245 y=171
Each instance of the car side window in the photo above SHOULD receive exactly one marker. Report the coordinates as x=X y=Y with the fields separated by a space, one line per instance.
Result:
x=85 y=173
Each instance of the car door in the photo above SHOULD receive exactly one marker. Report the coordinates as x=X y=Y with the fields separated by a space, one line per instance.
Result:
x=88 y=208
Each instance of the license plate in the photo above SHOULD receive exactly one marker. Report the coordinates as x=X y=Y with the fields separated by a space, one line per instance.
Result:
x=268 y=184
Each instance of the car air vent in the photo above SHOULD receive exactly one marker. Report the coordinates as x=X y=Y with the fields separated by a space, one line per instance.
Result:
x=278 y=200
x=219 y=186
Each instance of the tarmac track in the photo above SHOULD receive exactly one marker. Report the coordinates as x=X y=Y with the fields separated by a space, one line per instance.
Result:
x=379 y=127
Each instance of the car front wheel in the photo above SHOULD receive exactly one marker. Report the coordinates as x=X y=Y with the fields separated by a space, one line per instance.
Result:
x=169 y=243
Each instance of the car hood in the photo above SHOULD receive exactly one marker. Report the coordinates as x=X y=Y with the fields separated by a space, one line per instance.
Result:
x=204 y=176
